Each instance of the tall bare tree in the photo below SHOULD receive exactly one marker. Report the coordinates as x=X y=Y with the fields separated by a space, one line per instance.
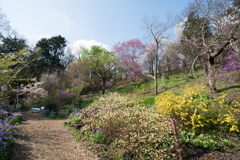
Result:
x=155 y=28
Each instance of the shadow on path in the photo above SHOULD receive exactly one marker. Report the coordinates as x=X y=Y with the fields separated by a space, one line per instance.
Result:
x=230 y=87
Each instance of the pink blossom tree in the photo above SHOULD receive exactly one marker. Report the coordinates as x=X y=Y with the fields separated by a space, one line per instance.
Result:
x=129 y=54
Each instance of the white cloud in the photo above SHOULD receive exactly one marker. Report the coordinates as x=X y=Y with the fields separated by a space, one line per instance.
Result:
x=179 y=28
x=76 y=46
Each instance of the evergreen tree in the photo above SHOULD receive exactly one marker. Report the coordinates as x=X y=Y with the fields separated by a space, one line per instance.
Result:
x=194 y=27
x=51 y=52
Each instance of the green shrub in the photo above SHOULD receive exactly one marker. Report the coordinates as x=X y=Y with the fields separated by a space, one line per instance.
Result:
x=225 y=142
x=199 y=141
x=51 y=104
x=205 y=142
x=97 y=137
x=149 y=101
x=16 y=119
x=51 y=114
x=78 y=137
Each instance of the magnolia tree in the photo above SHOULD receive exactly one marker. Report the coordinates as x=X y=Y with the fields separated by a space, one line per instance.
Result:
x=33 y=93
x=129 y=54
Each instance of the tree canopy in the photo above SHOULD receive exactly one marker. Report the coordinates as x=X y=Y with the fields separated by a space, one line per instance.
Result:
x=101 y=62
x=51 y=51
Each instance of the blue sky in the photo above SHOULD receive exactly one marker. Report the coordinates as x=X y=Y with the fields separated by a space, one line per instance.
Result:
x=86 y=21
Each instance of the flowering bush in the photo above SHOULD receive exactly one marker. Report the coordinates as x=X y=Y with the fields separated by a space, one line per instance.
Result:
x=45 y=112
x=194 y=110
x=15 y=118
x=63 y=97
x=231 y=70
x=51 y=114
x=6 y=138
x=136 y=73
x=119 y=122
x=51 y=82
x=10 y=109
x=3 y=114
x=11 y=117
x=33 y=92
x=7 y=122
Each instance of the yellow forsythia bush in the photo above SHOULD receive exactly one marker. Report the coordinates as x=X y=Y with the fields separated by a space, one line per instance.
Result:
x=194 y=110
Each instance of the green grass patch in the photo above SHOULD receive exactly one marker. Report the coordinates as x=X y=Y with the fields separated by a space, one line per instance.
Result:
x=86 y=103
x=148 y=101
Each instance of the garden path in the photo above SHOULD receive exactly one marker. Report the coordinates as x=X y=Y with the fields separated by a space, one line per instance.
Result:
x=47 y=139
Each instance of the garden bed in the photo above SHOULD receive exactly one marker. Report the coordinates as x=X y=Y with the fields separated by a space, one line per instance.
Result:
x=117 y=127
x=9 y=117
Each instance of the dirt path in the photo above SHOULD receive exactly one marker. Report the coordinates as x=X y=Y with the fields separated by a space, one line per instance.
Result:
x=47 y=139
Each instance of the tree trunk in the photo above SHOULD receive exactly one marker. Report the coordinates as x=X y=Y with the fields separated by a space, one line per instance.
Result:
x=191 y=70
x=155 y=75
x=167 y=72
x=190 y=74
x=205 y=70
x=152 y=70
x=211 y=75
x=103 y=86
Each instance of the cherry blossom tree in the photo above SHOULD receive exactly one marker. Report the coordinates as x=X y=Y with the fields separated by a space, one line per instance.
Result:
x=33 y=92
